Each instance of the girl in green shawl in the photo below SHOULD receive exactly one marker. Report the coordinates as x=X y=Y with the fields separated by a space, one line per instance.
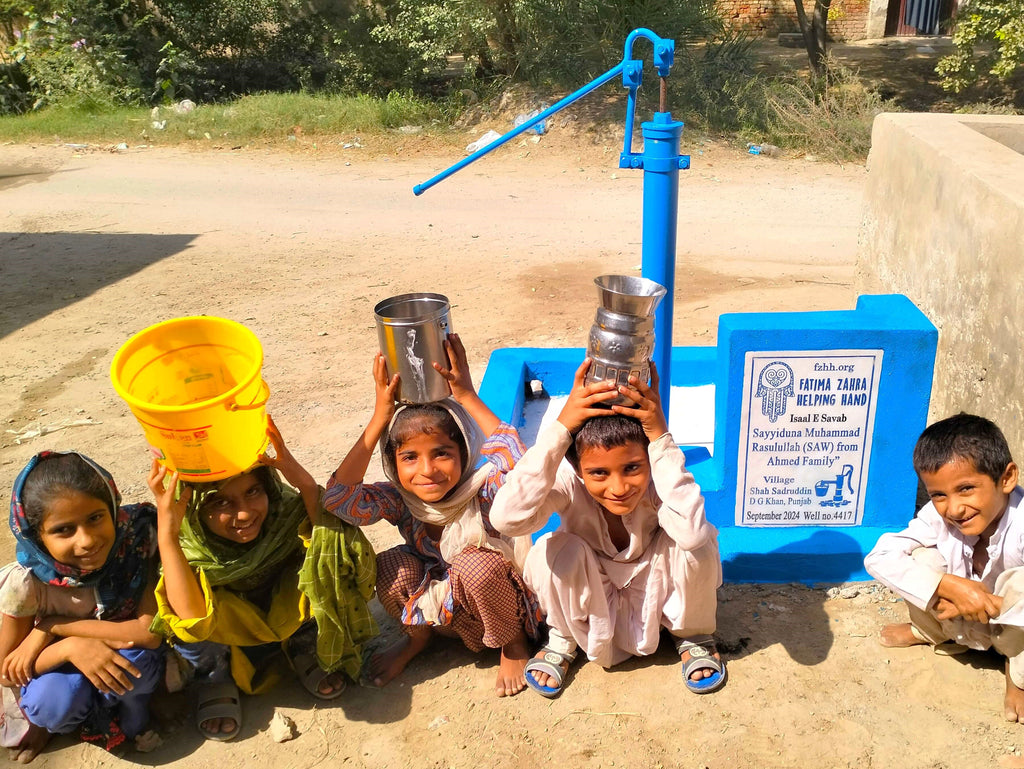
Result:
x=248 y=564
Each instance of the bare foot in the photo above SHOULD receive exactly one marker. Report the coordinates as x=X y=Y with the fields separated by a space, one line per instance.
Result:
x=512 y=668
x=1013 y=702
x=31 y=745
x=389 y=663
x=898 y=635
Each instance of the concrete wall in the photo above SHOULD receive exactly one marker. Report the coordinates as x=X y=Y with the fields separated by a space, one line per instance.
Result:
x=875 y=22
x=944 y=224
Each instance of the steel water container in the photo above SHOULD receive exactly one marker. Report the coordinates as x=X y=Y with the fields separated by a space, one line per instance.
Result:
x=621 y=339
x=411 y=329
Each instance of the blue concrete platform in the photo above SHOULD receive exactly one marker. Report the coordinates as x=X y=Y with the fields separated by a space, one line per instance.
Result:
x=792 y=501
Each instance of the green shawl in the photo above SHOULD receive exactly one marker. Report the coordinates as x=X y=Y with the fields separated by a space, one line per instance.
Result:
x=242 y=566
x=338 y=574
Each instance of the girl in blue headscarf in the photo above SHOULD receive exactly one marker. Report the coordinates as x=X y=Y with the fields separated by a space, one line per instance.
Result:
x=76 y=608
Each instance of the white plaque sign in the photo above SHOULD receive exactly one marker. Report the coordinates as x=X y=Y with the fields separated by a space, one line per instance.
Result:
x=805 y=437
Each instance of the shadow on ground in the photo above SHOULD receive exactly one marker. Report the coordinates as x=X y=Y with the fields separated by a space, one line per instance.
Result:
x=41 y=272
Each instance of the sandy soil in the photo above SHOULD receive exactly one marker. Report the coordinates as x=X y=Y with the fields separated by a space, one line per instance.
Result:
x=96 y=245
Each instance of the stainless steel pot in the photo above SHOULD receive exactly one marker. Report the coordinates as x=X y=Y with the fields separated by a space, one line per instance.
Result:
x=621 y=338
x=411 y=329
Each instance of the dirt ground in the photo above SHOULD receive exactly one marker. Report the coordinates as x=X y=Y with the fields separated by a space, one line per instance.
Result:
x=95 y=245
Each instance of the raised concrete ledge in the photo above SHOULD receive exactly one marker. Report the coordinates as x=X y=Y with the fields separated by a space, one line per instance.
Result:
x=1006 y=134
x=944 y=225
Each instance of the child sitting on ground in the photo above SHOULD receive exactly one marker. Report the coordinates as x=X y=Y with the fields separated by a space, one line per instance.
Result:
x=634 y=552
x=76 y=608
x=455 y=574
x=253 y=567
x=958 y=563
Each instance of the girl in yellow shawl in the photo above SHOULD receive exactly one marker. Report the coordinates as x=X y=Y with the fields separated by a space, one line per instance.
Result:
x=247 y=564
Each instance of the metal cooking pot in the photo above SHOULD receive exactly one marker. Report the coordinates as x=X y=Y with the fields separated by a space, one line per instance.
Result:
x=411 y=329
x=621 y=340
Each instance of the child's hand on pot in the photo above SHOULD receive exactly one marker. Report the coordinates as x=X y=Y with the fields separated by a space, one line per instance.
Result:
x=648 y=405
x=585 y=400
x=282 y=459
x=170 y=511
x=459 y=379
x=384 y=389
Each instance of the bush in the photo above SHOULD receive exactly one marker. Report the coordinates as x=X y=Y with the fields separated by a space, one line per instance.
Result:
x=545 y=42
x=15 y=96
x=86 y=52
x=721 y=91
x=834 y=124
x=715 y=82
x=127 y=51
x=569 y=44
x=999 y=23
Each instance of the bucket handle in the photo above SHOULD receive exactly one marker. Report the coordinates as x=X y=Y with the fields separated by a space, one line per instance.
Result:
x=259 y=402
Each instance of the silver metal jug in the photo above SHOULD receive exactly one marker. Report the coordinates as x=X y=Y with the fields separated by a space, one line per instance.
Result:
x=622 y=337
x=411 y=329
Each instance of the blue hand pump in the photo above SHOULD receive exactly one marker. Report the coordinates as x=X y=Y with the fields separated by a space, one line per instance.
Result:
x=661 y=163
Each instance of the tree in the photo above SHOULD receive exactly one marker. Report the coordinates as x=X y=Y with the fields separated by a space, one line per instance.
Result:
x=999 y=26
x=815 y=32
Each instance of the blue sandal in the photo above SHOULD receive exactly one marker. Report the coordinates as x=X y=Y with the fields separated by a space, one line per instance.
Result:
x=550 y=662
x=702 y=650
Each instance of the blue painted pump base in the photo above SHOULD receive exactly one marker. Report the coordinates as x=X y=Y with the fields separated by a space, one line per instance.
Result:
x=834 y=399
x=803 y=553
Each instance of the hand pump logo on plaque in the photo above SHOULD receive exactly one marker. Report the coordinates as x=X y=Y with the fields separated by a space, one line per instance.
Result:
x=805 y=437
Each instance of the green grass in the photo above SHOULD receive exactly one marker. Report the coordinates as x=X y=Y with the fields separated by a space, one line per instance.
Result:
x=260 y=117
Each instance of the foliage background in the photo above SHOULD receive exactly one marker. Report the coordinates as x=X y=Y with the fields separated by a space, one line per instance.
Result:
x=426 y=60
x=108 y=52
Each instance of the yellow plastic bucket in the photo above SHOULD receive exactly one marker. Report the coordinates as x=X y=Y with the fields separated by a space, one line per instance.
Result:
x=194 y=385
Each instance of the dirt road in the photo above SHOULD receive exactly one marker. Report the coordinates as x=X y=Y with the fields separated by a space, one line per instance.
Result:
x=96 y=245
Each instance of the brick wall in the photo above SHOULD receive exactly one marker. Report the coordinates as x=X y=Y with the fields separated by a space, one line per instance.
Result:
x=848 y=19
x=767 y=18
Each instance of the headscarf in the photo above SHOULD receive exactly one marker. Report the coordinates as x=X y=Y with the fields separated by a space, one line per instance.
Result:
x=337 y=575
x=243 y=566
x=459 y=512
x=120 y=582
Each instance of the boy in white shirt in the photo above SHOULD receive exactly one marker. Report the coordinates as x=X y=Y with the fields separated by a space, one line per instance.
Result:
x=634 y=551
x=959 y=562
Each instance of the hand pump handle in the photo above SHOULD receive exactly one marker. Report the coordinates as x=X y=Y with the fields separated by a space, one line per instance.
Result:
x=632 y=76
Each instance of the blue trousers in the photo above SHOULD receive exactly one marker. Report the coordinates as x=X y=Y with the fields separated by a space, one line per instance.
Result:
x=210 y=661
x=61 y=700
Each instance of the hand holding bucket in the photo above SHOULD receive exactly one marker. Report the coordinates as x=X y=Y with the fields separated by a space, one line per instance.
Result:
x=194 y=386
x=460 y=383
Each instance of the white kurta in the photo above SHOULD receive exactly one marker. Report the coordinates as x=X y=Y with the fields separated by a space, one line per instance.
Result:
x=613 y=603
x=893 y=562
